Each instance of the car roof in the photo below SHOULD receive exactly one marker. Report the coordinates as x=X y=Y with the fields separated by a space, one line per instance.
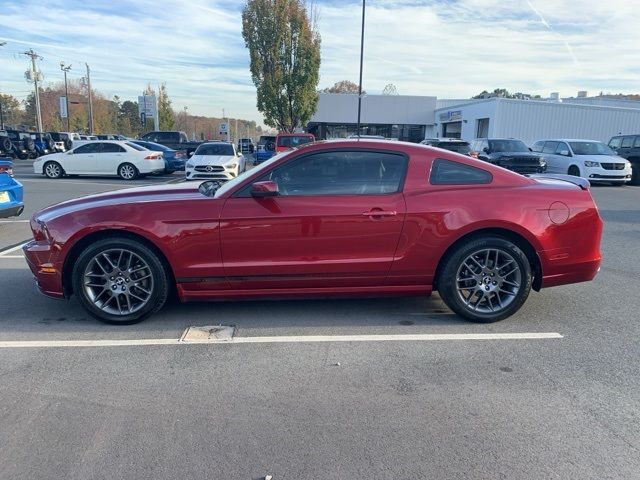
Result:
x=568 y=140
x=295 y=134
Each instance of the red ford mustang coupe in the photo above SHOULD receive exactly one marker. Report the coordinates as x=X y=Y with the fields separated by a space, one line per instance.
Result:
x=342 y=218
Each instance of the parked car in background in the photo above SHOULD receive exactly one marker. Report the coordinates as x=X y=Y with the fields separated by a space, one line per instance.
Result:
x=451 y=144
x=215 y=161
x=93 y=137
x=111 y=136
x=287 y=141
x=245 y=146
x=44 y=144
x=175 y=140
x=174 y=160
x=628 y=147
x=266 y=148
x=584 y=158
x=103 y=157
x=6 y=146
x=344 y=218
x=62 y=141
x=508 y=153
x=22 y=145
x=11 y=192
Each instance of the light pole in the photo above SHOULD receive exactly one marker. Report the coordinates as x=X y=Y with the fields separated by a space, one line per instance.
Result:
x=66 y=91
x=186 y=127
x=361 y=61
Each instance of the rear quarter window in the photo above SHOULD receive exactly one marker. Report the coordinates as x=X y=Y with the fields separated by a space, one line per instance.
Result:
x=627 y=142
x=448 y=172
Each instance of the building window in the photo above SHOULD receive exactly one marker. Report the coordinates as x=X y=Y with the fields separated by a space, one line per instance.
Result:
x=482 y=128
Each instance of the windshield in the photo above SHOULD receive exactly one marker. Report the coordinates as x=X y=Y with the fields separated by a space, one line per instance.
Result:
x=294 y=140
x=507 y=146
x=136 y=146
x=591 y=148
x=215 y=149
x=264 y=140
x=240 y=178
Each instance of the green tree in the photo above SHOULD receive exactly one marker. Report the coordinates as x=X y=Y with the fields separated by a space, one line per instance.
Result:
x=129 y=118
x=284 y=50
x=10 y=109
x=166 y=118
x=343 y=86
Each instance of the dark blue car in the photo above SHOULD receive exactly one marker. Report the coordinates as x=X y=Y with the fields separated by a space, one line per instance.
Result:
x=174 y=160
x=11 y=204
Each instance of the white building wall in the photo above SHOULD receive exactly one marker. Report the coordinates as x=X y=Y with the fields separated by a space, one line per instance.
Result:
x=381 y=109
x=531 y=121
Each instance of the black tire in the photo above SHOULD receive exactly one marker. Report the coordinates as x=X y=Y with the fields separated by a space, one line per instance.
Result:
x=474 y=283
x=635 y=172
x=159 y=289
x=573 y=170
x=30 y=145
x=52 y=170
x=22 y=156
x=68 y=144
x=33 y=155
x=51 y=145
x=127 y=171
x=6 y=144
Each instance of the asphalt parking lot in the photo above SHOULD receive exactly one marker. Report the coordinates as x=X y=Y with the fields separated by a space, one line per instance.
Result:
x=557 y=398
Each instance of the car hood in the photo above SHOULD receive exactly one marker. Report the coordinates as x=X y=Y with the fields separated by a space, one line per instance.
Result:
x=211 y=159
x=499 y=155
x=164 y=193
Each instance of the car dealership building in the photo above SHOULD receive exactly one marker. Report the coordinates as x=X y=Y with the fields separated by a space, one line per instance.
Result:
x=413 y=118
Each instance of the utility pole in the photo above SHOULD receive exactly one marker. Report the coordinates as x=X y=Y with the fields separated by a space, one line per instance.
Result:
x=66 y=92
x=34 y=76
x=361 y=61
x=90 y=104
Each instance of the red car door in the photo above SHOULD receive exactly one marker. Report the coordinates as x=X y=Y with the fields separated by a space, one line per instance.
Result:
x=336 y=222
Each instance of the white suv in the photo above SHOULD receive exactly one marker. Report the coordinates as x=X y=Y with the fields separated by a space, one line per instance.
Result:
x=215 y=161
x=588 y=159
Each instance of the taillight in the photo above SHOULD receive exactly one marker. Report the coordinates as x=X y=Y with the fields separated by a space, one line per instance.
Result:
x=180 y=154
x=7 y=170
x=152 y=157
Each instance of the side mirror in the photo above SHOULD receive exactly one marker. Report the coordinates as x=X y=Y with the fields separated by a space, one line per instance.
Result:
x=486 y=150
x=70 y=152
x=190 y=154
x=264 y=189
x=565 y=153
x=530 y=149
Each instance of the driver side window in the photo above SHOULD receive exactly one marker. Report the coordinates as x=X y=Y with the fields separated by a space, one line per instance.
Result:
x=87 y=148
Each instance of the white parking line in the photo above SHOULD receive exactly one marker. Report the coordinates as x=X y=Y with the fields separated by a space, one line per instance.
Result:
x=281 y=339
x=13 y=221
x=4 y=253
x=89 y=183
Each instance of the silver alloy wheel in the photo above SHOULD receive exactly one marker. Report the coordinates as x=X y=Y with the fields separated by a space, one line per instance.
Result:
x=127 y=172
x=52 y=170
x=488 y=280
x=118 y=281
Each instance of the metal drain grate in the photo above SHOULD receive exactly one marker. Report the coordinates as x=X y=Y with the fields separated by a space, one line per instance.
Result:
x=208 y=334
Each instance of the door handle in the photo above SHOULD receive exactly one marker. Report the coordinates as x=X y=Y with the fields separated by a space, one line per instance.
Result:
x=379 y=213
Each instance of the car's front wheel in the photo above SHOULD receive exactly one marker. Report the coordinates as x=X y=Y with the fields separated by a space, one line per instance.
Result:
x=485 y=280
x=52 y=170
x=126 y=171
x=120 y=280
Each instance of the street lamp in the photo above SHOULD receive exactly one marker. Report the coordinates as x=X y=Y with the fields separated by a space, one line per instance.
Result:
x=65 y=69
x=361 y=61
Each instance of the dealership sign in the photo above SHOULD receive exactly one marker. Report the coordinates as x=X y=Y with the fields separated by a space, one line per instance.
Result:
x=451 y=116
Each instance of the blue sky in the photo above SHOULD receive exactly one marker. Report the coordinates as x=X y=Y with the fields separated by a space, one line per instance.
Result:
x=448 y=48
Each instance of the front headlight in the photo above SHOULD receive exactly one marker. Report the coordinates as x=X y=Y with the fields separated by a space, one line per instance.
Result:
x=628 y=165
x=189 y=165
x=231 y=165
x=591 y=164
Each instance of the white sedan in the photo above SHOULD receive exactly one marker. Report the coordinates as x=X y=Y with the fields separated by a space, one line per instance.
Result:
x=215 y=161
x=114 y=158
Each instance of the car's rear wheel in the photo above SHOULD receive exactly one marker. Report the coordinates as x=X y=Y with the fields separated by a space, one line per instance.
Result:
x=485 y=280
x=120 y=280
x=126 y=171
x=52 y=170
x=6 y=144
x=33 y=155
x=573 y=170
